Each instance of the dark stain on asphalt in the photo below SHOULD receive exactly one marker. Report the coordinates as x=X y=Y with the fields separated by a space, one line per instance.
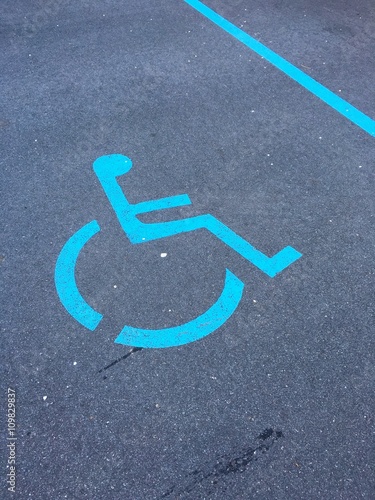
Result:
x=268 y=433
x=225 y=465
x=132 y=351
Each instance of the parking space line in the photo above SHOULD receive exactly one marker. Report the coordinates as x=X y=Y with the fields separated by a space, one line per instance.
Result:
x=343 y=107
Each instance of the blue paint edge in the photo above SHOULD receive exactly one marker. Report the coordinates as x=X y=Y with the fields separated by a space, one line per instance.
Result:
x=340 y=105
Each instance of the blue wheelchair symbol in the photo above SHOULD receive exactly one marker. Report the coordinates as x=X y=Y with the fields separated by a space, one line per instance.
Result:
x=107 y=169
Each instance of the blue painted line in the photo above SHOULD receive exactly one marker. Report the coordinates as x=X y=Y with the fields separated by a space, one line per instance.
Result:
x=194 y=330
x=107 y=168
x=343 y=107
x=65 y=281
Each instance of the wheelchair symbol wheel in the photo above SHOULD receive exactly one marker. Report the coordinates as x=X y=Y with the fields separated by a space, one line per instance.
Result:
x=107 y=168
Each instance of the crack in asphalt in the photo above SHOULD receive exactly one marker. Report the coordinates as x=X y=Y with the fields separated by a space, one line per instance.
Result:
x=132 y=351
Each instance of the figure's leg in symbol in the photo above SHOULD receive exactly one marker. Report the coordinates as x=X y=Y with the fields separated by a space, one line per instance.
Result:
x=269 y=265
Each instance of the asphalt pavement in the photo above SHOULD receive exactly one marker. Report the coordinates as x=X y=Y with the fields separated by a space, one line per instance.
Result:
x=277 y=402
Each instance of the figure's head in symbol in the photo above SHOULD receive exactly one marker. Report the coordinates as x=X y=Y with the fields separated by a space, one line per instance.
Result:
x=114 y=165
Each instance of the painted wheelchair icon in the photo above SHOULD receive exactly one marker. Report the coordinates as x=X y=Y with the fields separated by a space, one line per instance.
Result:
x=107 y=169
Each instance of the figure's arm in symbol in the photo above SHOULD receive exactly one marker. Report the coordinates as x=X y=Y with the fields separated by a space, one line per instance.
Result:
x=107 y=168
